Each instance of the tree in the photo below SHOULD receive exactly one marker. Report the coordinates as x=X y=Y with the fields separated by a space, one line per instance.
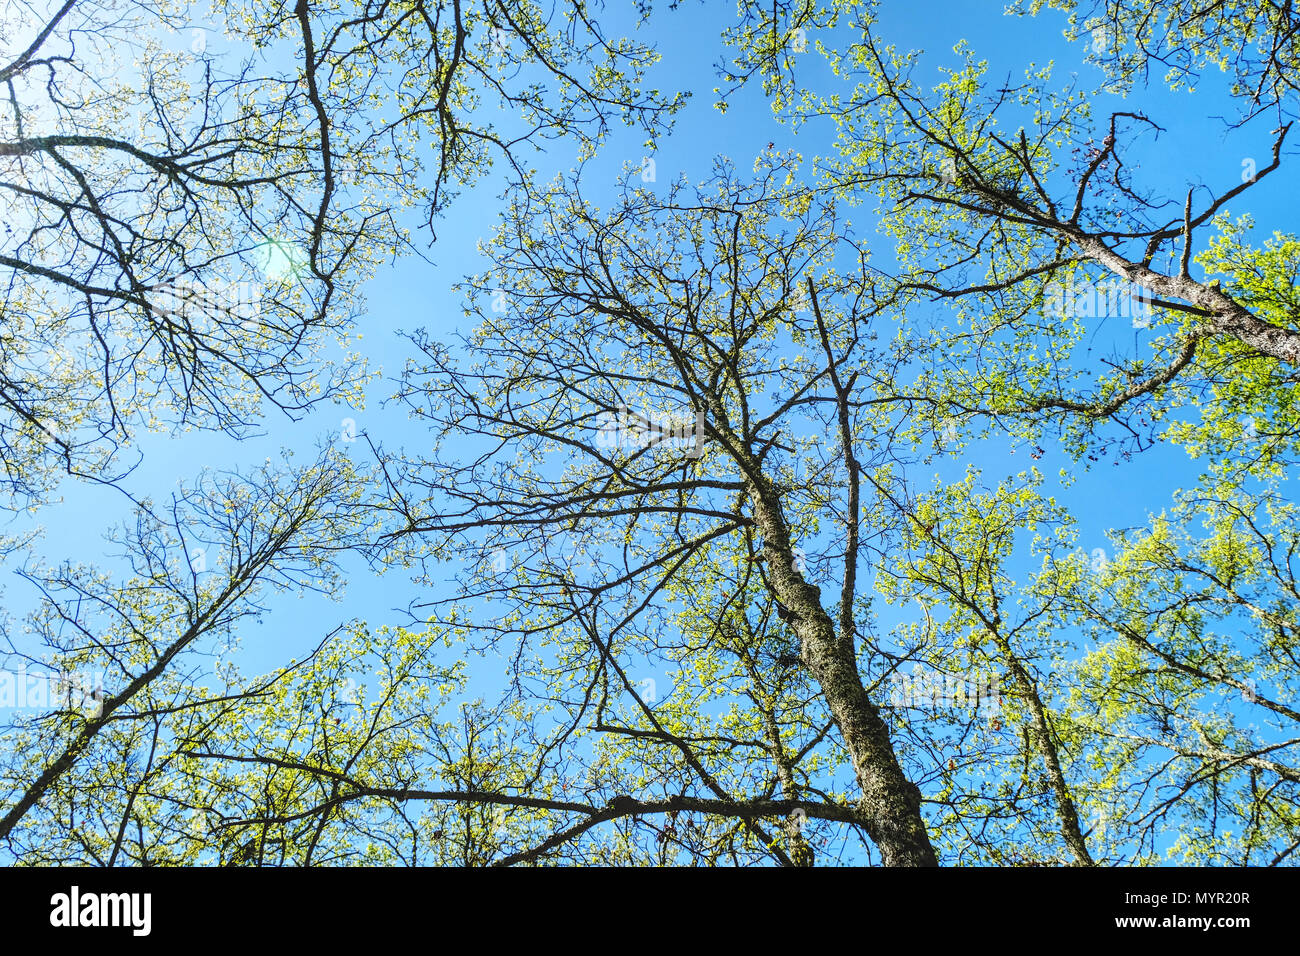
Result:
x=633 y=396
x=1253 y=43
x=955 y=557
x=1011 y=206
x=992 y=219
x=1181 y=706
x=709 y=605
x=124 y=658
x=185 y=236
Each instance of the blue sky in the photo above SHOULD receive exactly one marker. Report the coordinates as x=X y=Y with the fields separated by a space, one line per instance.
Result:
x=414 y=293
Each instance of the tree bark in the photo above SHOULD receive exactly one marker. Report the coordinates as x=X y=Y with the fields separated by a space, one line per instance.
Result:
x=1222 y=313
x=890 y=802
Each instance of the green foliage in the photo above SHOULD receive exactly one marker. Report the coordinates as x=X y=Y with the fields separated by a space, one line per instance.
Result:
x=703 y=607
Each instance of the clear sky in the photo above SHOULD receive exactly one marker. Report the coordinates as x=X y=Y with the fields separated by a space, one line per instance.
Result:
x=417 y=294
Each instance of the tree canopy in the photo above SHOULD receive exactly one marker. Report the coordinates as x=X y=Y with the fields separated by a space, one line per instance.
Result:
x=713 y=507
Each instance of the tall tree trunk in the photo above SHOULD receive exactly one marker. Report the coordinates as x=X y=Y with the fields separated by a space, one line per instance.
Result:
x=890 y=802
